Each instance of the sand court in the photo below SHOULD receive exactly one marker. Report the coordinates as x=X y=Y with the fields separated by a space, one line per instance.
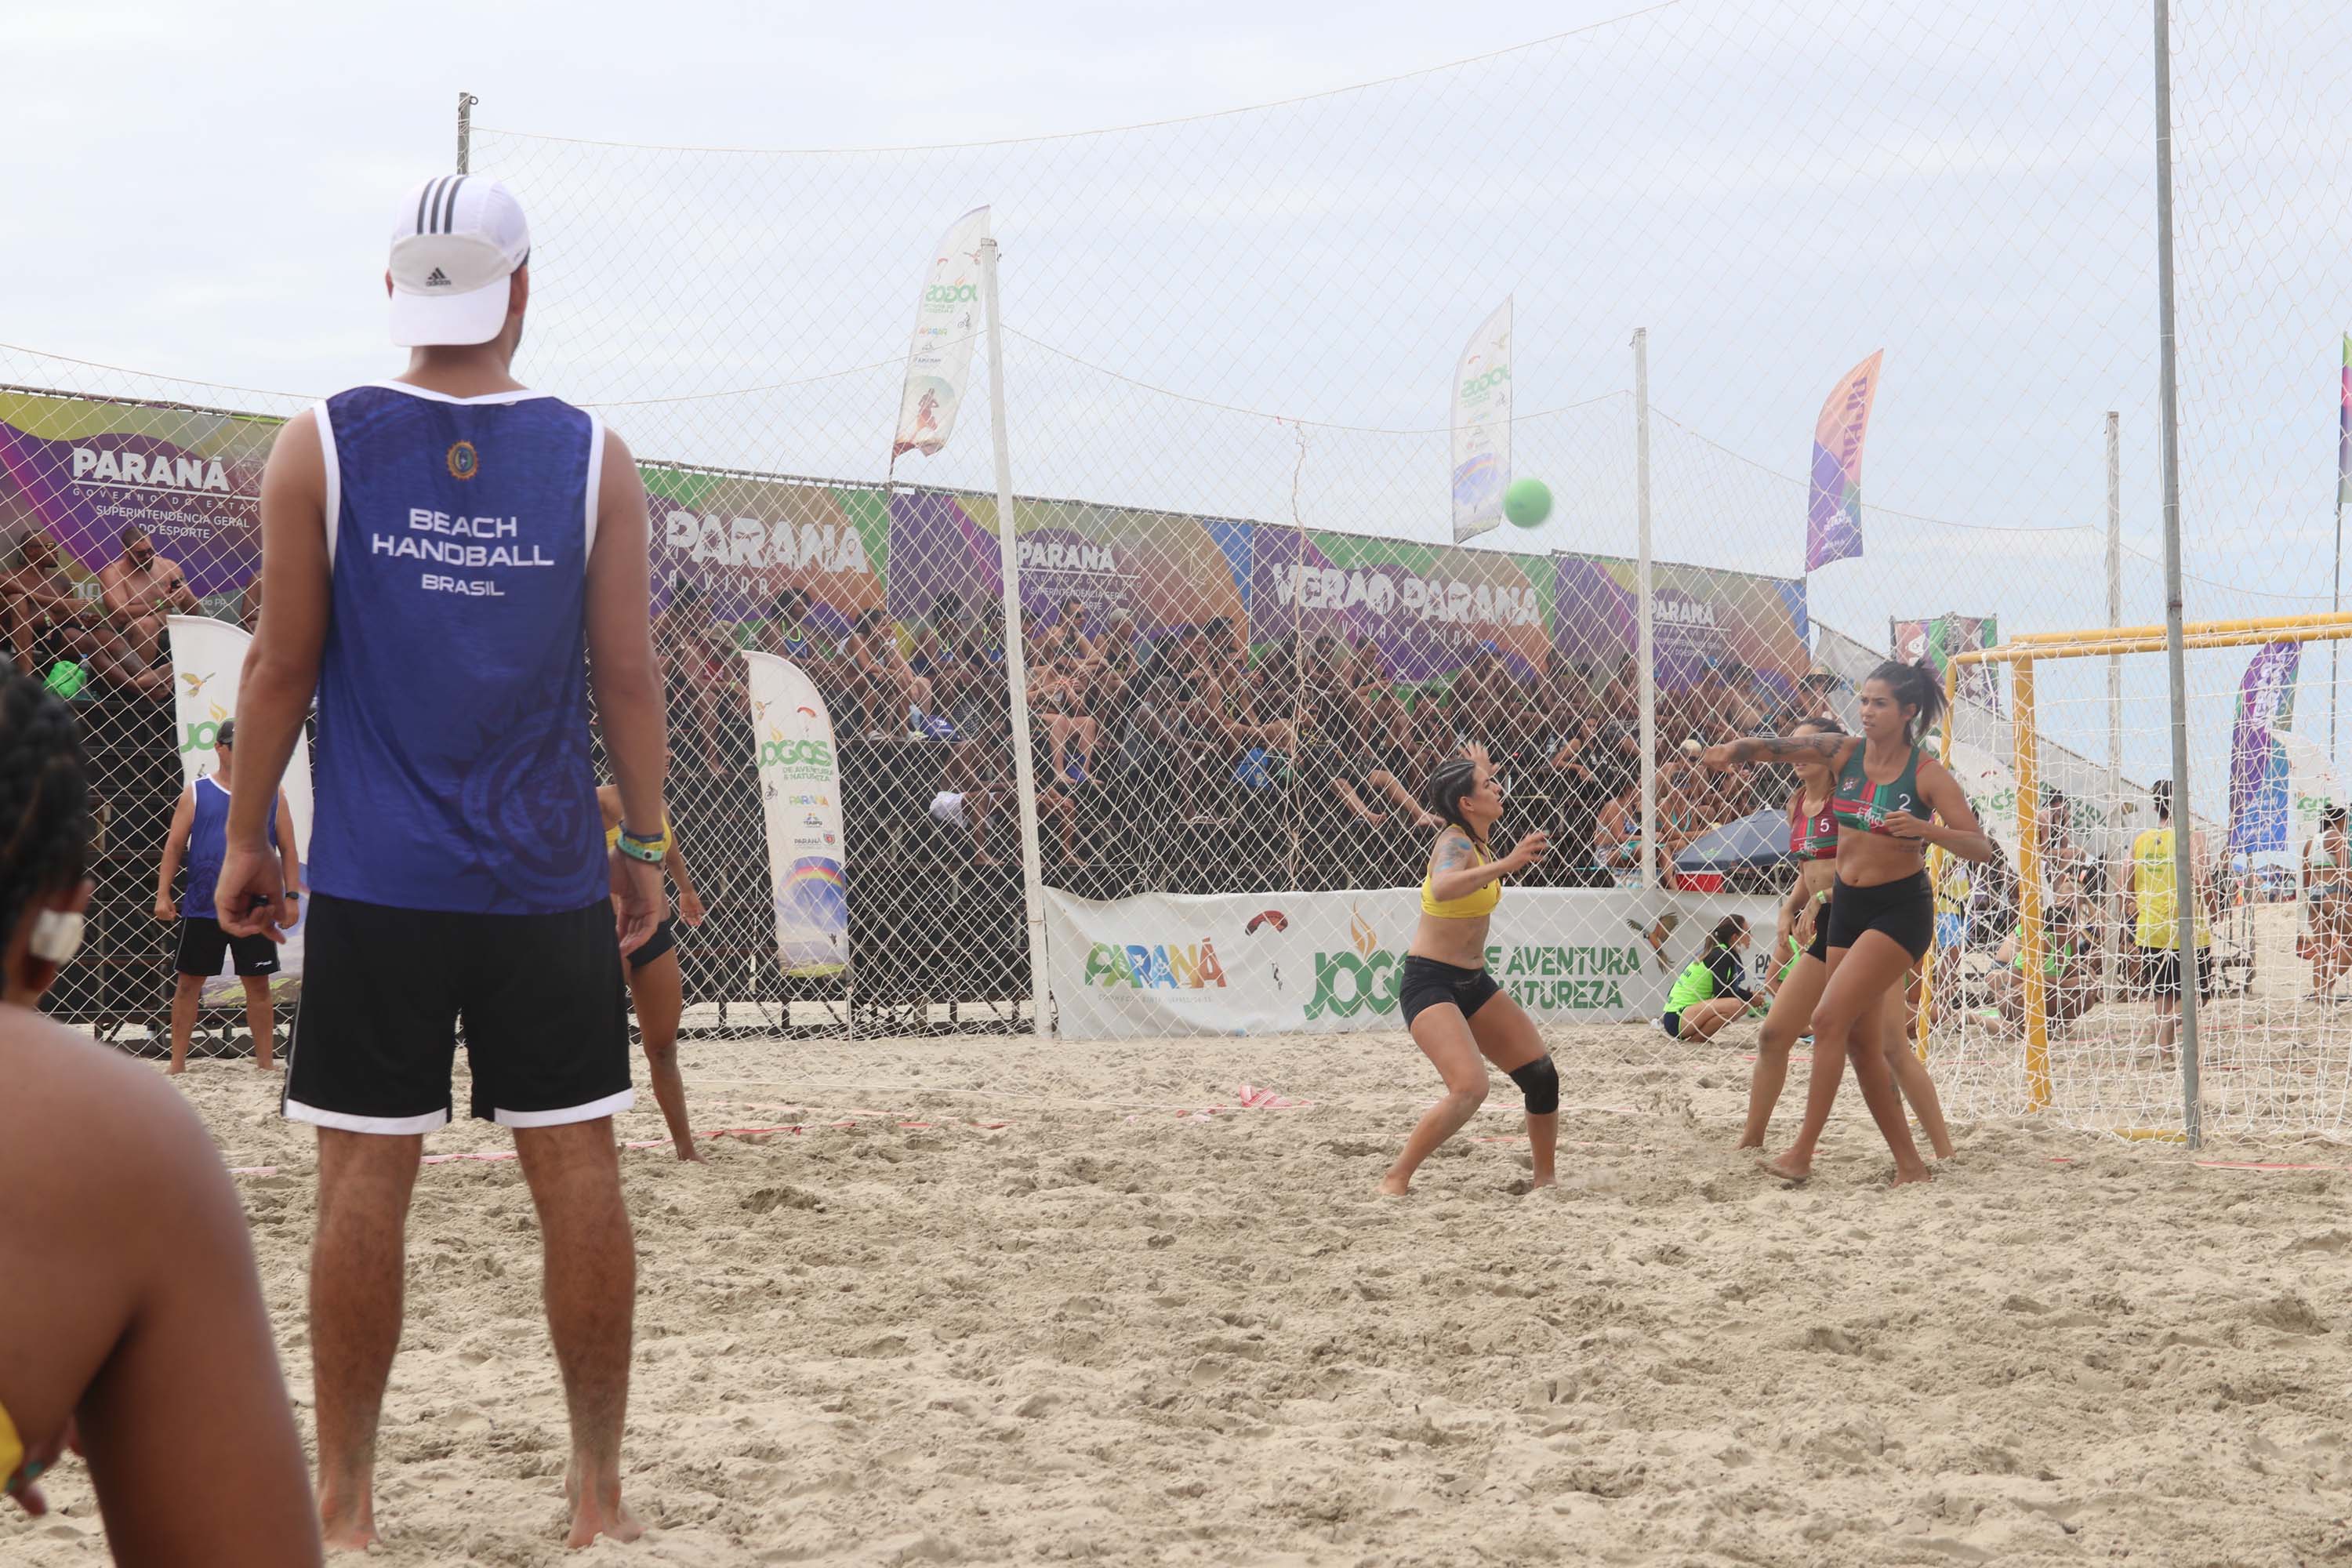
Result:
x=1078 y=1317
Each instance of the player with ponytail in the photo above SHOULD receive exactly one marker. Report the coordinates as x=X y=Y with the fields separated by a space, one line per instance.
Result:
x=1891 y=802
x=1459 y=1017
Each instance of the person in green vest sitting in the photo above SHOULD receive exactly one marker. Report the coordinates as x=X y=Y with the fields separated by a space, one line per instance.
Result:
x=1713 y=990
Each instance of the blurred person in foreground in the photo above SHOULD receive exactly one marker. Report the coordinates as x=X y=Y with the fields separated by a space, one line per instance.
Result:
x=132 y=1328
x=452 y=561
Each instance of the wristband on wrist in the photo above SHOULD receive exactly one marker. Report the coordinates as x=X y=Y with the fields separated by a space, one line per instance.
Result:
x=636 y=846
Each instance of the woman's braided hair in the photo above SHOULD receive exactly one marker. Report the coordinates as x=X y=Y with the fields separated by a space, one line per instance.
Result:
x=44 y=796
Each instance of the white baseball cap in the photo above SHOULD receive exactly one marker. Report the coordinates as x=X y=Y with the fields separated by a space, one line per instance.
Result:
x=456 y=240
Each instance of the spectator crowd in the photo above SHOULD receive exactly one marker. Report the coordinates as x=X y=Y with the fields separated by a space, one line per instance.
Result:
x=1197 y=727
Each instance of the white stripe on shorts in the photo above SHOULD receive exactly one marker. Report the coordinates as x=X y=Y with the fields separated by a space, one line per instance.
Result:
x=431 y=1121
x=588 y=1112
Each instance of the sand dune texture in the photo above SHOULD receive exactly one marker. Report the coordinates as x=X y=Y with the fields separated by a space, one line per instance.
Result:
x=1106 y=1332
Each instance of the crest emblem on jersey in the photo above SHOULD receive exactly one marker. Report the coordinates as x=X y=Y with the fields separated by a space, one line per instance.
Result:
x=464 y=461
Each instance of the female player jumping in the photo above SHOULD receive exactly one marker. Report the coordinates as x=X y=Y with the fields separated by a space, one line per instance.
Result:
x=1455 y=1011
x=1804 y=931
x=1882 y=908
x=656 y=986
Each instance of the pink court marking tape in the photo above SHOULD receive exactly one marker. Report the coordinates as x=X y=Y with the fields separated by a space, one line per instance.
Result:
x=1251 y=1097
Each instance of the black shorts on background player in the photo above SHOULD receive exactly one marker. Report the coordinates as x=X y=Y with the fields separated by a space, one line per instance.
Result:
x=202 y=944
x=546 y=1031
x=1903 y=910
x=664 y=939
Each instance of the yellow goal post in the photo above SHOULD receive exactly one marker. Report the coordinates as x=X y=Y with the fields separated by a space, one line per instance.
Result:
x=2021 y=656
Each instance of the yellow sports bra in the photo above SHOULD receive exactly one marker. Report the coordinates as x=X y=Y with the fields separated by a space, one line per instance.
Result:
x=1477 y=903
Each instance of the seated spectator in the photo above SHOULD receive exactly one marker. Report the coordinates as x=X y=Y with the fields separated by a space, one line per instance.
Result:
x=141 y=588
x=2070 y=967
x=46 y=621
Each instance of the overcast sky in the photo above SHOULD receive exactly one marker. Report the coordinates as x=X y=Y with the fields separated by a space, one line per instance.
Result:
x=1774 y=188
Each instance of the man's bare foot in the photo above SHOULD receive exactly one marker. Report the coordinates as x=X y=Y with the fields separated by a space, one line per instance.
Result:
x=176 y=1069
x=1547 y=1180
x=596 y=1512
x=1788 y=1167
x=265 y=1063
x=1903 y=1178
x=688 y=1153
x=346 y=1530
x=1395 y=1187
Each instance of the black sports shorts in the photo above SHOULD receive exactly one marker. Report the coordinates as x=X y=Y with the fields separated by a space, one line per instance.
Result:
x=383 y=990
x=202 y=945
x=665 y=938
x=1425 y=982
x=1903 y=910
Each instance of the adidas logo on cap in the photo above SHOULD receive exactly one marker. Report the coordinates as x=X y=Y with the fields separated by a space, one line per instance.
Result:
x=456 y=241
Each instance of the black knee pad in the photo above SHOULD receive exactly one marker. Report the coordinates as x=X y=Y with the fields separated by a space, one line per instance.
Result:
x=1539 y=1082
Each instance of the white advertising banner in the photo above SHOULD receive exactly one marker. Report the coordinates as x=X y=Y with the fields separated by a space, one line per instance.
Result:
x=946 y=325
x=1991 y=789
x=1258 y=963
x=799 y=804
x=1482 y=426
x=208 y=662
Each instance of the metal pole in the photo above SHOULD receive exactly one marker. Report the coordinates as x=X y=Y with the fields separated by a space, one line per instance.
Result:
x=2184 y=813
x=2335 y=604
x=2029 y=885
x=465 y=102
x=2115 y=835
x=1645 y=611
x=1016 y=663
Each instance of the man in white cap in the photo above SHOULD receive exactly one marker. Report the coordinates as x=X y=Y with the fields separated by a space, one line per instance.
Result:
x=440 y=551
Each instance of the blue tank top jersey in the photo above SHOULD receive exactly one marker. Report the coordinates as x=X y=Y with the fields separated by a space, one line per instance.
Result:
x=451 y=764
x=208 y=846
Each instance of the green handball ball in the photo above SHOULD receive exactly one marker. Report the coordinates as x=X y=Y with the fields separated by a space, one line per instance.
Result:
x=1528 y=502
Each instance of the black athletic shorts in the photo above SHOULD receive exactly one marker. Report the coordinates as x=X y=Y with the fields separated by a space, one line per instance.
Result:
x=1903 y=910
x=202 y=945
x=547 y=1029
x=665 y=938
x=1425 y=982
x=2159 y=969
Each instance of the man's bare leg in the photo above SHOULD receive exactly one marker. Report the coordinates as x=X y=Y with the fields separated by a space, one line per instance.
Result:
x=357 y=1261
x=657 y=992
x=590 y=1285
x=187 y=990
x=261 y=1018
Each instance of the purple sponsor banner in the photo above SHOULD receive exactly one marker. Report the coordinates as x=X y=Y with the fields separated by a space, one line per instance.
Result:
x=2258 y=806
x=1833 y=508
x=1428 y=609
x=1703 y=621
x=81 y=473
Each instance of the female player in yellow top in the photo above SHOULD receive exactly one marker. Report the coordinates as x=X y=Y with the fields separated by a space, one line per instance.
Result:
x=1455 y=1011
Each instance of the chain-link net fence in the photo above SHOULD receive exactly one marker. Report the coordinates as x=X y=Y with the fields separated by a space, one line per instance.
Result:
x=1232 y=347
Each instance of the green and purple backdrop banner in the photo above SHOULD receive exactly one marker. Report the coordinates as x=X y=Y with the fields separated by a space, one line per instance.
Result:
x=79 y=470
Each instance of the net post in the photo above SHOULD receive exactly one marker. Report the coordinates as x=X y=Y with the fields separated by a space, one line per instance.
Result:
x=2112 y=940
x=1935 y=876
x=2184 y=840
x=465 y=102
x=1645 y=610
x=1016 y=663
x=2029 y=887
